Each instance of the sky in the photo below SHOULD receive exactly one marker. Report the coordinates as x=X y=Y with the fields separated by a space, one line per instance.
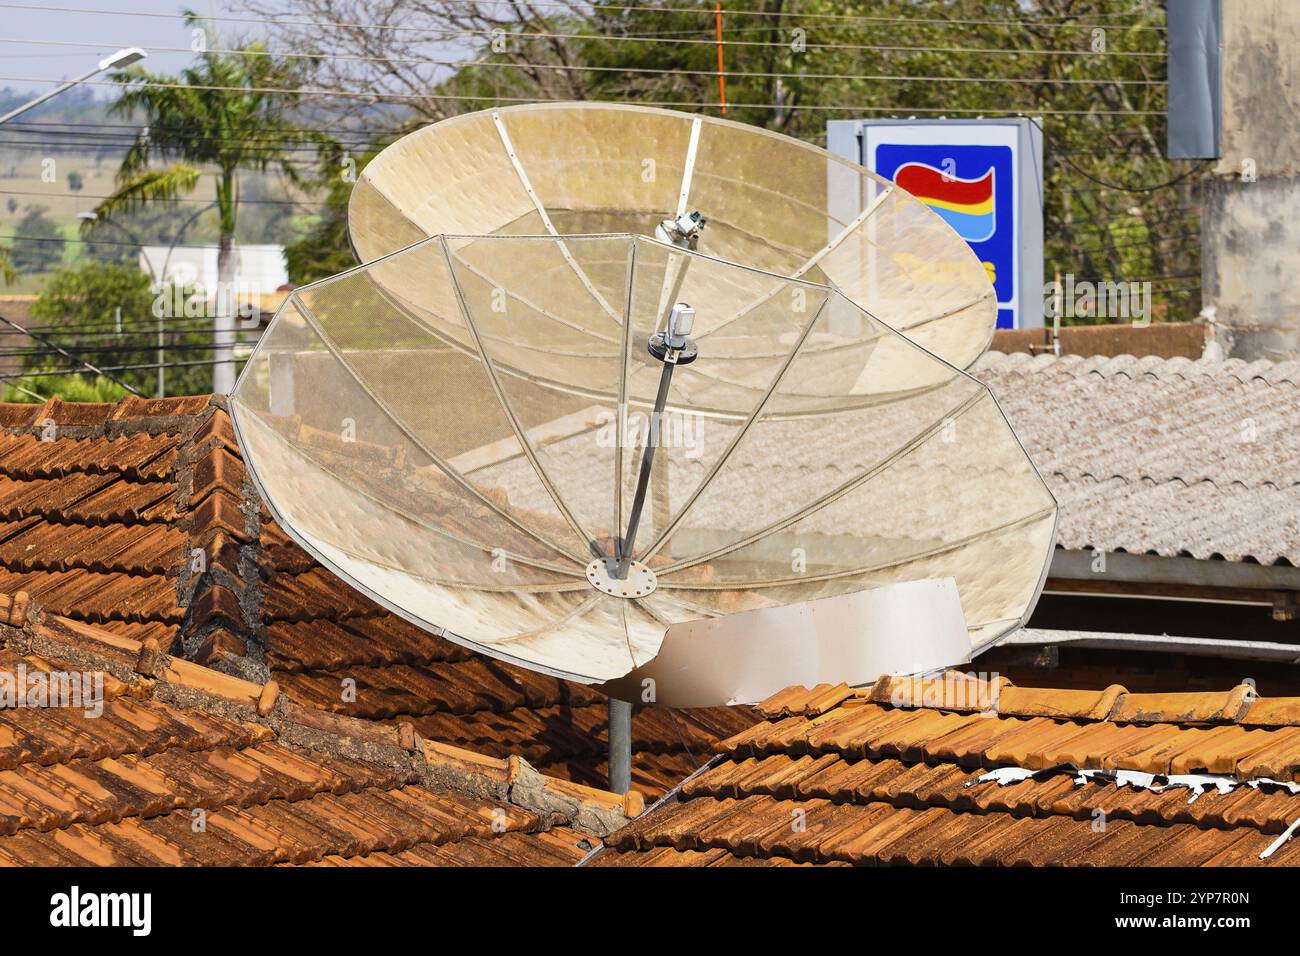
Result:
x=83 y=38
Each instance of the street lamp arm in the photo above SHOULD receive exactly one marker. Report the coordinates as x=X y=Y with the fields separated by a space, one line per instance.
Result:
x=119 y=59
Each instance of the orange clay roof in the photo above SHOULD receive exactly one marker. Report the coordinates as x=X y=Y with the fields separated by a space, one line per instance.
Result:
x=889 y=775
x=186 y=765
x=102 y=507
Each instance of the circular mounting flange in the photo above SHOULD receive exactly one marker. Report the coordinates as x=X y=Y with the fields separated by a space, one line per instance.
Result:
x=640 y=581
x=659 y=349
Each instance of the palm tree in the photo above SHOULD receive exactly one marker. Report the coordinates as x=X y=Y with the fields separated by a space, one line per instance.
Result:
x=226 y=113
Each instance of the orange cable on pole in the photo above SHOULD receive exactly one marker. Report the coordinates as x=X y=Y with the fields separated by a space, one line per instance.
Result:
x=722 y=76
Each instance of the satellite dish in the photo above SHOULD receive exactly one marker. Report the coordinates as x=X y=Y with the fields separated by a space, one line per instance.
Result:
x=772 y=203
x=557 y=450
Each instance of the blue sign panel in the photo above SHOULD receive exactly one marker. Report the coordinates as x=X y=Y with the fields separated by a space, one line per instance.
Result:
x=973 y=188
x=983 y=177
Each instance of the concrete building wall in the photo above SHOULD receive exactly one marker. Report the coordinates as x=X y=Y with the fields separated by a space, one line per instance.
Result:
x=1251 y=214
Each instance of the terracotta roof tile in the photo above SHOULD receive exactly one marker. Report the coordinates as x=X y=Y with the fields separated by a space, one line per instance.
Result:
x=74 y=413
x=129 y=549
x=557 y=847
x=326 y=645
x=950 y=691
x=124 y=492
x=134 y=408
x=866 y=782
x=1274 y=712
x=1045 y=702
x=805 y=702
x=1183 y=708
x=181 y=767
x=141 y=457
x=100 y=598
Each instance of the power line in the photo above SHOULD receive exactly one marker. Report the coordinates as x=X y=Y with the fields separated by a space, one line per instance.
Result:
x=116 y=368
x=458 y=65
x=1199 y=167
x=381 y=97
x=382 y=132
x=695 y=41
x=270 y=153
x=92 y=146
x=74 y=358
x=109 y=328
x=241 y=202
x=944 y=21
x=128 y=138
x=384 y=27
x=108 y=242
x=363 y=131
x=110 y=350
x=1132 y=279
x=90 y=328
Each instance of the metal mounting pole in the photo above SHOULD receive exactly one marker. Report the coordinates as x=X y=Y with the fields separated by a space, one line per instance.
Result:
x=620 y=746
x=628 y=540
x=672 y=348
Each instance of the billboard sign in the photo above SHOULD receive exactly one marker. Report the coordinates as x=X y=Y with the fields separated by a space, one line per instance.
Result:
x=982 y=177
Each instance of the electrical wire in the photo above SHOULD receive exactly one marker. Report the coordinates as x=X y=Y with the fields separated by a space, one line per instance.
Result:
x=106 y=242
x=30 y=373
x=69 y=355
x=784 y=45
x=1201 y=166
x=384 y=97
x=944 y=21
x=457 y=65
x=174 y=199
x=388 y=27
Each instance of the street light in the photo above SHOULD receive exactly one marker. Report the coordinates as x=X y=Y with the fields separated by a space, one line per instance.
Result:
x=118 y=60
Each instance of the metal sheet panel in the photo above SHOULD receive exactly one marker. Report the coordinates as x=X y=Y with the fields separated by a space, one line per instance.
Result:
x=1195 y=97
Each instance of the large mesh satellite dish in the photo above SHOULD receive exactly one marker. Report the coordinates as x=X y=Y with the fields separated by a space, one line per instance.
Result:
x=772 y=202
x=461 y=430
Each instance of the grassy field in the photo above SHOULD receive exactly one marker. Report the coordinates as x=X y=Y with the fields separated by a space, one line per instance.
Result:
x=24 y=180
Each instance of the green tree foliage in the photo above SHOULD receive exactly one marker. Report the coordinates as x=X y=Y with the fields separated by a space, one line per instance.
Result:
x=1090 y=71
x=323 y=250
x=70 y=388
x=38 y=244
x=84 y=300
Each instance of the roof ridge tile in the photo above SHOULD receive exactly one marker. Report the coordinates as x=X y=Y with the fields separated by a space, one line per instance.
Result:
x=798 y=711
x=810 y=702
x=1183 y=707
x=952 y=690
x=1062 y=704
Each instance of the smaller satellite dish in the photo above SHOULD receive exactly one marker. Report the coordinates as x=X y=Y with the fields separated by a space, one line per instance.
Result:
x=555 y=449
x=772 y=202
